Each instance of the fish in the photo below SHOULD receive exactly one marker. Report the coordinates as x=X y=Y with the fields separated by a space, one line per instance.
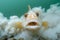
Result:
x=31 y=24
x=31 y=20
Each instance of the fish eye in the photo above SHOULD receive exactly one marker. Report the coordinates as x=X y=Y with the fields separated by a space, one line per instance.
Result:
x=37 y=14
x=26 y=15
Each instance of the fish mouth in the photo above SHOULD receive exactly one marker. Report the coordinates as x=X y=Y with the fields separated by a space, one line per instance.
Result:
x=32 y=24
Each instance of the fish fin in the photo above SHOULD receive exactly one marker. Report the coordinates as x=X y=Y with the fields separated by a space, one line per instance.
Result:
x=45 y=24
x=29 y=7
x=19 y=25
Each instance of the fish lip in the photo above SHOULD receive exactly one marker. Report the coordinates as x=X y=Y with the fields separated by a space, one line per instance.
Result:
x=33 y=24
x=32 y=28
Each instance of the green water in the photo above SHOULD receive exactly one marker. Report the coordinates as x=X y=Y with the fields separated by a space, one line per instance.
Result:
x=19 y=7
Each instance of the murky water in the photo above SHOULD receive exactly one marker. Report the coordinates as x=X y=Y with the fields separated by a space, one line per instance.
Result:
x=19 y=7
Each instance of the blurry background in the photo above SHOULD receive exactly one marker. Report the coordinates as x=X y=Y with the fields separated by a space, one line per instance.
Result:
x=19 y=7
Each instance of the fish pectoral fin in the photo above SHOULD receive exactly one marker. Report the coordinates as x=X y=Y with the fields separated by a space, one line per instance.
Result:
x=19 y=25
x=45 y=24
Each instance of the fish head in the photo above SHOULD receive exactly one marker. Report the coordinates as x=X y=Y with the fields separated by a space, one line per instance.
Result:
x=32 y=20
